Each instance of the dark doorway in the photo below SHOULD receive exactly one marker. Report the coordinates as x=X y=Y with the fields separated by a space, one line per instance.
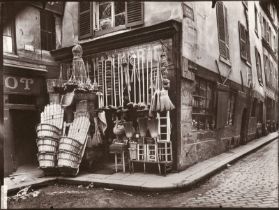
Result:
x=25 y=148
x=243 y=129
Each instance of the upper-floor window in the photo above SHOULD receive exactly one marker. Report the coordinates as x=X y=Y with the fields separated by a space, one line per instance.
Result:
x=48 y=37
x=96 y=18
x=256 y=20
x=223 y=35
x=8 y=31
x=259 y=66
x=244 y=43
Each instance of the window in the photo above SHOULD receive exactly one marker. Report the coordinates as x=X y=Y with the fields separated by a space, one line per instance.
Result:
x=203 y=105
x=111 y=14
x=8 y=31
x=244 y=43
x=231 y=107
x=256 y=20
x=48 y=38
x=223 y=34
x=259 y=66
x=96 y=18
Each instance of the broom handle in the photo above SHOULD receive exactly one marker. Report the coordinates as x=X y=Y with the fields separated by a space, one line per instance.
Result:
x=134 y=70
x=142 y=66
x=147 y=88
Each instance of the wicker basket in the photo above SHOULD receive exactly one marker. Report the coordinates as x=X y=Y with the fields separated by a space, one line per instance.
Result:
x=47 y=141
x=47 y=148
x=47 y=130
x=70 y=145
x=47 y=160
x=68 y=160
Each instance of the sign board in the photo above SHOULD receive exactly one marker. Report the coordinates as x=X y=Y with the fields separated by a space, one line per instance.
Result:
x=186 y=73
x=22 y=85
x=187 y=11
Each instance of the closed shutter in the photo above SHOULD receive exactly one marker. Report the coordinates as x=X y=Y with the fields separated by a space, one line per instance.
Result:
x=248 y=46
x=242 y=41
x=221 y=29
x=227 y=33
x=134 y=13
x=85 y=19
x=222 y=107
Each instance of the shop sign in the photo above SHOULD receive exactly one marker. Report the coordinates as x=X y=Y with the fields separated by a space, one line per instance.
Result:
x=16 y=84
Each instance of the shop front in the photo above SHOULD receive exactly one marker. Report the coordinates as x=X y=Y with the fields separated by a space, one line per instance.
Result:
x=135 y=100
x=23 y=98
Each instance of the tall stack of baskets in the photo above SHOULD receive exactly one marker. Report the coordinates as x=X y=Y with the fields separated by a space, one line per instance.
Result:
x=48 y=133
x=72 y=147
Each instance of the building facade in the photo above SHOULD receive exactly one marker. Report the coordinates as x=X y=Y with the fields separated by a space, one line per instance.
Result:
x=27 y=63
x=222 y=63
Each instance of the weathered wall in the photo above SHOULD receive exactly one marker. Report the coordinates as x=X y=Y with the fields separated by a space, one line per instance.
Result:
x=27 y=24
x=200 y=38
x=154 y=12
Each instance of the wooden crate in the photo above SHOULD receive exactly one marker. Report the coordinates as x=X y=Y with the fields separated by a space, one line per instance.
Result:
x=151 y=152
x=165 y=151
x=141 y=152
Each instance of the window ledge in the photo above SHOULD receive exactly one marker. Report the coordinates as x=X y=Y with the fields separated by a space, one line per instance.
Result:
x=107 y=31
x=225 y=61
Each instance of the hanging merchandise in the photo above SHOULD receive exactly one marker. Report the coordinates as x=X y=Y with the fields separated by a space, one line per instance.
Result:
x=97 y=137
x=79 y=72
x=125 y=67
x=102 y=121
x=67 y=99
x=142 y=122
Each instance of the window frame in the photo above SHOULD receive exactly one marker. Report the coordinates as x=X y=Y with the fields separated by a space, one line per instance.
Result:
x=259 y=66
x=226 y=32
x=246 y=42
x=208 y=111
x=231 y=109
x=256 y=21
x=11 y=24
x=96 y=20
x=47 y=31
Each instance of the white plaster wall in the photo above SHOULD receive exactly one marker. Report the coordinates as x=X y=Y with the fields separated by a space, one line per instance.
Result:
x=154 y=13
x=200 y=39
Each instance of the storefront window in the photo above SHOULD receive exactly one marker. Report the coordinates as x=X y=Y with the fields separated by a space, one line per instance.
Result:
x=203 y=112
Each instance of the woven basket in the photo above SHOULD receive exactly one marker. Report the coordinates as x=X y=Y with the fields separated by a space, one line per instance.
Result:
x=69 y=145
x=46 y=160
x=47 y=148
x=68 y=160
x=47 y=130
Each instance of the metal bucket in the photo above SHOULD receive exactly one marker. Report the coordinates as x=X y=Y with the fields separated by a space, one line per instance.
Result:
x=69 y=145
x=46 y=160
x=66 y=159
x=47 y=130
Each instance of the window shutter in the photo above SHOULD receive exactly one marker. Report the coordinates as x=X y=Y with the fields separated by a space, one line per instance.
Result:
x=85 y=19
x=248 y=46
x=134 y=13
x=242 y=41
x=222 y=107
x=221 y=29
x=227 y=33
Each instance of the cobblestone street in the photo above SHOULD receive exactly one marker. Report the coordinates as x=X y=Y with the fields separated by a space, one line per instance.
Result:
x=250 y=182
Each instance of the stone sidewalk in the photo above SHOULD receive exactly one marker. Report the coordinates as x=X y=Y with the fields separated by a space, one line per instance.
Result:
x=141 y=181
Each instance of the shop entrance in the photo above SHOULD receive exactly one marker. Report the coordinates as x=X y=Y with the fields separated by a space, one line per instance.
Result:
x=25 y=148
